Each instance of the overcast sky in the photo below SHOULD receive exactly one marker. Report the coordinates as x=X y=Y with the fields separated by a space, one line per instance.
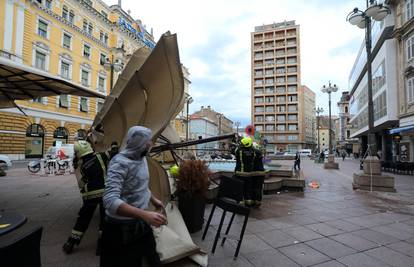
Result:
x=214 y=43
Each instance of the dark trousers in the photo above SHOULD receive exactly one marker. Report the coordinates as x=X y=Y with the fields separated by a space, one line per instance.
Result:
x=257 y=187
x=253 y=187
x=297 y=164
x=125 y=245
x=85 y=215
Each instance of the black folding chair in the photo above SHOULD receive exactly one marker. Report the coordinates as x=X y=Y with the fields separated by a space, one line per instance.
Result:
x=228 y=197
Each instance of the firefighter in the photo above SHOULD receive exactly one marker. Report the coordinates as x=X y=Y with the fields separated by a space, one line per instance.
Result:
x=249 y=168
x=91 y=175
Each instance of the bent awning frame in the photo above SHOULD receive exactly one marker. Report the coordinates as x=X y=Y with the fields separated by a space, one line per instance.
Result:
x=22 y=82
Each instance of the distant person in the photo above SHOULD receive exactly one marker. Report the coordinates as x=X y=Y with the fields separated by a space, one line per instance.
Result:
x=343 y=155
x=297 y=162
x=322 y=156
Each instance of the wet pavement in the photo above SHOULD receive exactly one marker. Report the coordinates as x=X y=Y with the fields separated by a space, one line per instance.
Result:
x=328 y=226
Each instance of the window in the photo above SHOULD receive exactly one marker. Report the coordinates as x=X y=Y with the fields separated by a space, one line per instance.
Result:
x=258 y=91
x=292 y=88
x=101 y=84
x=48 y=4
x=281 y=117
x=258 y=100
x=409 y=12
x=85 y=78
x=348 y=134
x=89 y=2
x=410 y=90
x=269 y=99
x=40 y=60
x=270 y=90
x=281 y=108
x=293 y=127
x=280 y=80
x=270 y=109
x=281 y=138
x=292 y=117
x=292 y=108
x=259 y=127
x=270 y=118
x=102 y=59
x=65 y=70
x=63 y=101
x=292 y=79
x=292 y=137
x=86 y=51
x=269 y=81
x=258 y=82
x=258 y=118
x=83 y=105
x=270 y=128
x=280 y=89
x=90 y=29
x=71 y=17
x=38 y=100
x=258 y=109
x=85 y=25
x=103 y=37
x=103 y=13
x=65 y=12
x=42 y=28
x=99 y=105
x=410 y=48
x=281 y=127
x=67 y=40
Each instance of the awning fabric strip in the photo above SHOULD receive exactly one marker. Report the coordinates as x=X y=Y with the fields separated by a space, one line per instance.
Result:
x=402 y=129
x=21 y=82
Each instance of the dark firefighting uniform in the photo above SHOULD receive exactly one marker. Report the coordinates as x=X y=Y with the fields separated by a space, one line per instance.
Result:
x=249 y=168
x=91 y=185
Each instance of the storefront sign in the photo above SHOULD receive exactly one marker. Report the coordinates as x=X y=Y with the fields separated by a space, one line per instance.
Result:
x=140 y=35
x=404 y=151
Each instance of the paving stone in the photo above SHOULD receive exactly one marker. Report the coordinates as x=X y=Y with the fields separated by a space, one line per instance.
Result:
x=258 y=226
x=403 y=247
x=226 y=251
x=376 y=237
x=324 y=229
x=277 y=238
x=410 y=222
x=229 y=261
x=390 y=256
x=302 y=233
x=330 y=247
x=392 y=231
x=344 y=225
x=329 y=264
x=354 y=241
x=369 y=220
x=276 y=223
x=304 y=255
x=361 y=259
x=269 y=258
x=251 y=243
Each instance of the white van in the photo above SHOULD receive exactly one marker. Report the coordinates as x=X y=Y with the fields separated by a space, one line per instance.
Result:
x=305 y=152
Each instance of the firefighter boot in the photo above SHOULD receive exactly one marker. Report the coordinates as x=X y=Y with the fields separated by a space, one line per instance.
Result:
x=68 y=246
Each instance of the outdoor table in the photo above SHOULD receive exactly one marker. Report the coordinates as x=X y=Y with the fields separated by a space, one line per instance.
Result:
x=19 y=240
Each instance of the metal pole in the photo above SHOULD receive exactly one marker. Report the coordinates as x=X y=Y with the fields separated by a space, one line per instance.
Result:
x=330 y=129
x=371 y=134
x=112 y=73
x=187 y=120
x=319 y=148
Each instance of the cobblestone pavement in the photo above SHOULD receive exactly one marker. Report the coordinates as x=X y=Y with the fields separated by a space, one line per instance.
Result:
x=329 y=226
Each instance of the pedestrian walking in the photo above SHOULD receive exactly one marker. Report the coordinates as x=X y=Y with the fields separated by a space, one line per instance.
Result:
x=296 y=165
x=91 y=173
x=343 y=155
x=127 y=235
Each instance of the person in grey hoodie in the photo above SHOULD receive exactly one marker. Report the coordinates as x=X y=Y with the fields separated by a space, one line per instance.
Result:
x=127 y=236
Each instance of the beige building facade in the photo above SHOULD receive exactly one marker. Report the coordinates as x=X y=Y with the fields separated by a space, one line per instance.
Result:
x=72 y=39
x=309 y=117
x=277 y=101
x=403 y=136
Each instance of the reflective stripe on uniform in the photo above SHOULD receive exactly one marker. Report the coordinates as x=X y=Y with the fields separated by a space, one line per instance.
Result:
x=241 y=161
x=76 y=233
x=93 y=194
x=99 y=157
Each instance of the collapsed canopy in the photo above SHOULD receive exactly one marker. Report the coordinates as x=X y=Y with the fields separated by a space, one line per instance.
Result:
x=21 y=82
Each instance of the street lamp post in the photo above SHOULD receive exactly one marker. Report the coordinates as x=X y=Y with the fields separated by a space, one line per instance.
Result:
x=371 y=179
x=318 y=110
x=331 y=158
x=363 y=19
x=114 y=65
x=237 y=123
x=188 y=100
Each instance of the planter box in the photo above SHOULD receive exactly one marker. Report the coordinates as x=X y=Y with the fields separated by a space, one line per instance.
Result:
x=192 y=207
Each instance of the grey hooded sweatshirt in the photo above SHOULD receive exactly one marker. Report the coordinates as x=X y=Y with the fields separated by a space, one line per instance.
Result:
x=128 y=176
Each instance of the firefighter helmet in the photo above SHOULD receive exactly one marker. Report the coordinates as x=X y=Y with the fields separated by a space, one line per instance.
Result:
x=246 y=142
x=82 y=148
x=174 y=171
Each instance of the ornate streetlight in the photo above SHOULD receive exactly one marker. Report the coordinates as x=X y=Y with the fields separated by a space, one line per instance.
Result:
x=318 y=110
x=363 y=19
x=114 y=65
x=371 y=179
x=331 y=157
x=188 y=100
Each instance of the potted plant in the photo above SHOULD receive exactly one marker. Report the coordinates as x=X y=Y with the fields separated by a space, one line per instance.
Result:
x=192 y=182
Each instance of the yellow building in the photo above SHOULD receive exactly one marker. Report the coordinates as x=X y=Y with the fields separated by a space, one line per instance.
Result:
x=72 y=39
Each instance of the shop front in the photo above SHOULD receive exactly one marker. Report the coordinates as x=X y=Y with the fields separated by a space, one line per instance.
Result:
x=35 y=135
